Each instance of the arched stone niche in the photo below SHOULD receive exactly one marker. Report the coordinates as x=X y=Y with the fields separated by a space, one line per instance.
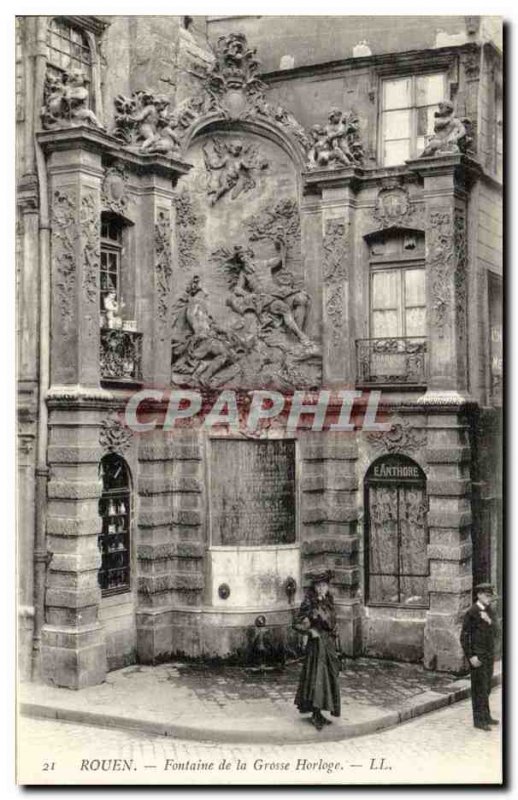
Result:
x=239 y=272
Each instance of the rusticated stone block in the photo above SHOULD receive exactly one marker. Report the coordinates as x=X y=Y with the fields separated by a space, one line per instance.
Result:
x=155 y=485
x=72 y=490
x=447 y=455
x=152 y=584
x=449 y=519
x=449 y=487
x=73 y=667
x=183 y=516
x=395 y=638
x=182 y=483
x=449 y=584
x=72 y=526
x=186 y=451
x=441 y=552
x=170 y=549
x=154 y=517
x=73 y=598
x=344 y=546
x=319 y=514
x=74 y=455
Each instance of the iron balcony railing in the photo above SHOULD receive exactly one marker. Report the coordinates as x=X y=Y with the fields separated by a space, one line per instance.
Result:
x=391 y=361
x=121 y=356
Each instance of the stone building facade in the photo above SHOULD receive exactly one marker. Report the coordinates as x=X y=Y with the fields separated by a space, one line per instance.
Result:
x=255 y=203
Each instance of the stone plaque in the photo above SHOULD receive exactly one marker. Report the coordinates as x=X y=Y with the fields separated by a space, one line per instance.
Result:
x=252 y=492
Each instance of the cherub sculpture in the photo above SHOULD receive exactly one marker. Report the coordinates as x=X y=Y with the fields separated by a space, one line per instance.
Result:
x=338 y=142
x=66 y=101
x=451 y=134
x=231 y=168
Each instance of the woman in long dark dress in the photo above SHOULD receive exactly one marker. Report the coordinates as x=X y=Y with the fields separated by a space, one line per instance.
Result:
x=319 y=688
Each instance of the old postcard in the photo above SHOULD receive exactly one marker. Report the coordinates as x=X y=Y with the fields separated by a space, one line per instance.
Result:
x=259 y=306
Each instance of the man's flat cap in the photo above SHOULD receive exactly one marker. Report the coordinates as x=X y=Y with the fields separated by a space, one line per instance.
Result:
x=487 y=588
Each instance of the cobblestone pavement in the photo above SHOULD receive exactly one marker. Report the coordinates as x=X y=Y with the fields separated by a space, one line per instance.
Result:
x=368 y=681
x=440 y=747
x=239 y=705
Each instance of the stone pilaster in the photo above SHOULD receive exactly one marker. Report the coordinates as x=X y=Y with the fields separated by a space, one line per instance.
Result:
x=450 y=548
x=337 y=243
x=75 y=176
x=157 y=220
x=329 y=514
x=170 y=549
x=446 y=179
x=73 y=652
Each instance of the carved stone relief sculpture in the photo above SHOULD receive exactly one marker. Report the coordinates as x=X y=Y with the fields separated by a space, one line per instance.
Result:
x=229 y=86
x=336 y=144
x=66 y=101
x=263 y=339
x=143 y=121
x=451 y=134
x=231 y=168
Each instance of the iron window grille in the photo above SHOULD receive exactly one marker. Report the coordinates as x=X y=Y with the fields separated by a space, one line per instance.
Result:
x=114 y=540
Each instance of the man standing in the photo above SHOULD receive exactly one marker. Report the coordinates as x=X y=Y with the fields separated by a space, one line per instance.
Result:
x=478 y=642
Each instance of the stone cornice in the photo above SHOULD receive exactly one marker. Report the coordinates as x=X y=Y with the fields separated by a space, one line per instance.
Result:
x=97 y=141
x=382 y=62
x=95 y=25
x=465 y=169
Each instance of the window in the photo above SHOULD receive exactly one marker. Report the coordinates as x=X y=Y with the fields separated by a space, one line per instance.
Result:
x=396 y=560
x=111 y=251
x=397 y=286
x=67 y=48
x=407 y=115
x=398 y=306
x=115 y=514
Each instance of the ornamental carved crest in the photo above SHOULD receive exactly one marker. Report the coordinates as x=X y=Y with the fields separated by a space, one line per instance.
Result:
x=114 y=437
x=392 y=206
x=229 y=86
x=403 y=437
x=114 y=190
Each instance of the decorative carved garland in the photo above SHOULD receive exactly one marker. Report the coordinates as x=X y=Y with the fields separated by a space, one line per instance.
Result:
x=90 y=225
x=440 y=263
x=163 y=268
x=64 y=236
x=336 y=250
x=188 y=224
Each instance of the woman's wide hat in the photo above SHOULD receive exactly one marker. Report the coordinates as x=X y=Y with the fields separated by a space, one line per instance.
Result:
x=321 y=577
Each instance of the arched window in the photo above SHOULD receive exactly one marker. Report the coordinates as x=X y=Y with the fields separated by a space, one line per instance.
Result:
x=67 y=48
x=115 y=513
x=396 y=536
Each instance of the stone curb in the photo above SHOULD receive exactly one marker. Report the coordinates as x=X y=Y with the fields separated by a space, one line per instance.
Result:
x=422 y=704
